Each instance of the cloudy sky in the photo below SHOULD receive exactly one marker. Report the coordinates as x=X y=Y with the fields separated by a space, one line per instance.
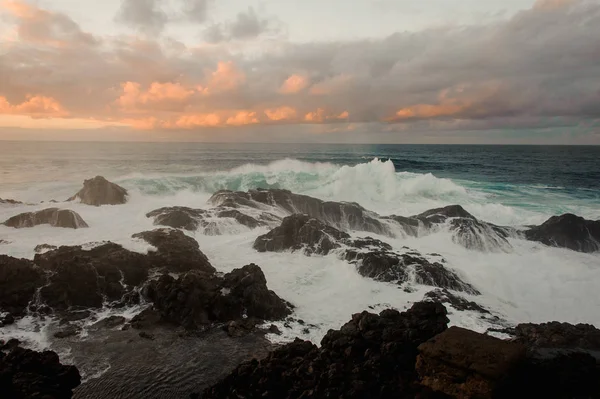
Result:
x=393 y=71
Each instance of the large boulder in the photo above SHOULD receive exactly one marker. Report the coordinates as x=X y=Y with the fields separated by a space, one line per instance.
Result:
x=99 y=191
x=19 y=279
x=301 y=232
x=465 y=364
x=83 y=277
x=198 y=299
x=342 y=215
x=175 y=251
x=371 y=356
x=558 y=335
x=178 y=217
x=53 y=216
x=567 y=231
x=28 y=374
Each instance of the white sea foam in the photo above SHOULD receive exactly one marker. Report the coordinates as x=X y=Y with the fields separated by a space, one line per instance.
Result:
x=530 y=283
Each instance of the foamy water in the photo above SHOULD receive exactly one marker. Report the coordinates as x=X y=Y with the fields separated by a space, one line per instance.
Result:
x=529 y=283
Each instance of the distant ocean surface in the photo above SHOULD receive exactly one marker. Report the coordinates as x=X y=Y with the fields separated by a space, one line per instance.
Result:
x=534 y=181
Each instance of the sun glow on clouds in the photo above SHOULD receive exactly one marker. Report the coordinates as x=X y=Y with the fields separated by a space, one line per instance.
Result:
x=34 y=106
x=294 y=84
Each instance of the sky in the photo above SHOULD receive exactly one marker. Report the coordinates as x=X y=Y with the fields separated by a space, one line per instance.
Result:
x=361 y=71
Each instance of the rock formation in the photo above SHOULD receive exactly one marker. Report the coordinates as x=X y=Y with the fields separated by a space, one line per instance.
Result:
x=373 y=258
x=192 y=219
x=53 y=216
x=28 y=374
x=19 y=279
x=99 y=191
x=198 y=299
x=568 y=231
x=9 y=202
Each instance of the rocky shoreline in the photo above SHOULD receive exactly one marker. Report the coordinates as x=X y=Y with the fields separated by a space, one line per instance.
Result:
x=194 y=325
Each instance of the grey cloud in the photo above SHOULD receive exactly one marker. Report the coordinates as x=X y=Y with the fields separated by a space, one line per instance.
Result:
x=247 y=25
x=536 y=69
x=144 y=15
x=196 y=10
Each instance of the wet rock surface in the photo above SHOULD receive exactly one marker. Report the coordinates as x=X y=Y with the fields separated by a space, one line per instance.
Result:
x=9 y=202
x=54 y=217
x=44 y=248
x=176 y=252
x=19 y=280
x=301 y=232
x=342 y=215
x=567 y=231
x=99 y=191
x=370 y=356
x=448 y=298
x=27 y=374
x=558 y=335
x=196 y=300
x=195 y=219
x=373 y=258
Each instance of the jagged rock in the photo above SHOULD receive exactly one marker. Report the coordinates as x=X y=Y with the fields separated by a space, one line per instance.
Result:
x=6 y=319
x=301 y=232
x=176 y=252
x=371 y=356
x=53 y=216
x=178 y=217
x=146 y=319
x=447 y=298
x=197 y=299
x=83 y=277
x=19 y=279
x=558 y=335
x=241 y=218
x=66 y=332
x=9 y=202
x=465 y=364
x=109 y=322
x=568 y=231
x=44 y=248
x=99 y=191
x=342 y=215
x=440 y=215
x=28 y=374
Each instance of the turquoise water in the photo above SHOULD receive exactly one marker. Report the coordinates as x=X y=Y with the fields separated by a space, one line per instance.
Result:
x=530 y=182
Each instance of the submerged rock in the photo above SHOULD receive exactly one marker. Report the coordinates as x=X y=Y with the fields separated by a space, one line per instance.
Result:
x=448 y=298
x=301 y=232
x=370 y=356
x=44 y=248
x=53 y=216
x=28 y=374
x=568 y=231
x=198 y=299
x=19 y=280
x=99 y=191
x=9 y=202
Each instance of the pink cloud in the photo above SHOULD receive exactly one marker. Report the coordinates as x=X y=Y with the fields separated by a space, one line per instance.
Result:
x=294 y=84
x=35 y=106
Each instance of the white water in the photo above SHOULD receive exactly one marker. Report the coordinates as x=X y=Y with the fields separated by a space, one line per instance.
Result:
x=531 y=283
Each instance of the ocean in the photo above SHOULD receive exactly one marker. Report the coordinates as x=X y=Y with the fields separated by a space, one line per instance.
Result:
x=505 y=185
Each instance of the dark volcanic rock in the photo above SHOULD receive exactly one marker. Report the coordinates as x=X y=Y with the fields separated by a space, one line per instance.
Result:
x=110 y=322
x=372 y=356
x=99 y=191
x=53 y=216
x=176 y=252
x=301 y=232
x=342 y=215
x=178 y=217
x=27 y=374
x=19 y=279
x=241 y=218
x=558 y=335
x=44 y=247
x=83 y=277
x=568 y=231
x=198 y=299
x=447 y=298
x=67 y=331
x=464 y=364
x=440 y=215
x=9 y=202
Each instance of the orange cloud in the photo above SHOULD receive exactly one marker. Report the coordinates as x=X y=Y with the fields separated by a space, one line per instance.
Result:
x=281 y=114
x=294 y=84
x=224 y=79
x=34 y=106
x=242 y=118
x=320 y=116
x=164 y=96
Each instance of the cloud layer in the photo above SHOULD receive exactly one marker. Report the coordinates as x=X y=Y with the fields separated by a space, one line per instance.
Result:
x=539 y=68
